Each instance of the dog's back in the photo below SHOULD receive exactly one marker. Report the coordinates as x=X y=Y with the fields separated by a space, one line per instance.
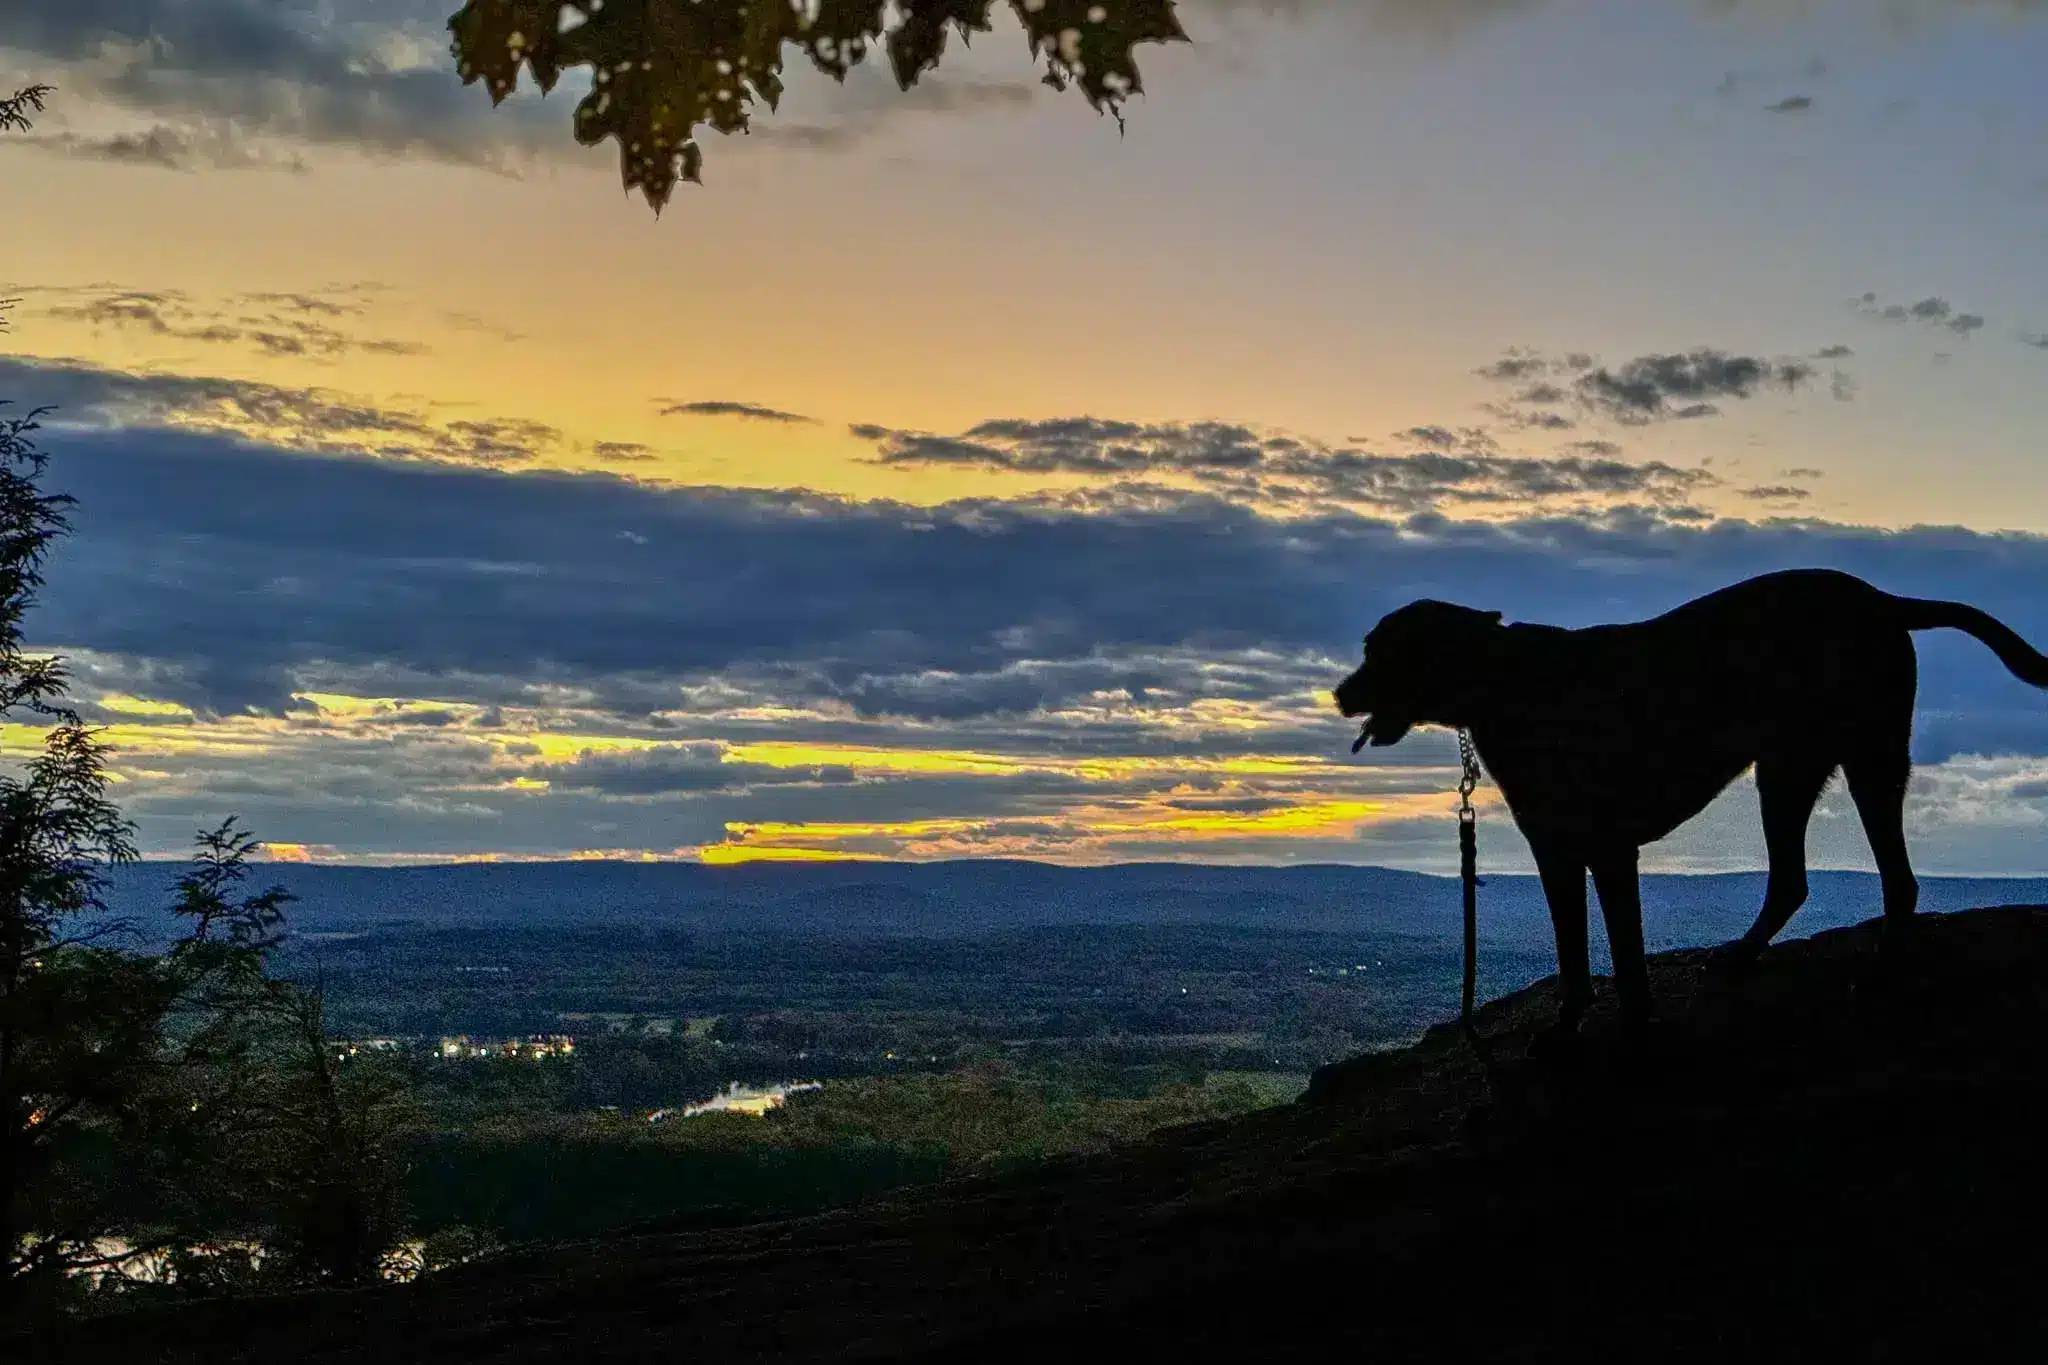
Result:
x=1639 y=726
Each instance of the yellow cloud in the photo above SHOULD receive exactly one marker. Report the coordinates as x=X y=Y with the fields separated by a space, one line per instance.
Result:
x=1322 y=817
x=729 y=855
x=1083 y=831
x=898 y=829
x=1121 y=769
x=777 y=754
x=554 y=747
x=122 y=704
x=243 y=736
x=955 y=762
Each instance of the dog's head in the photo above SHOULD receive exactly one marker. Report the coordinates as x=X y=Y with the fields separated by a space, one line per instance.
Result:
x=1416 y=660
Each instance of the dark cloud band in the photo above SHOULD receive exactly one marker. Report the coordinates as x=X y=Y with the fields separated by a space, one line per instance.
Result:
x=235 y=573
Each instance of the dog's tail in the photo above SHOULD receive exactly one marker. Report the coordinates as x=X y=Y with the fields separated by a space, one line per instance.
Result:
x=2027 y=663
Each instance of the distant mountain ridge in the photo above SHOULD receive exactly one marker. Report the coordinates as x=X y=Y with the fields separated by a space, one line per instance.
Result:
x=942 y=899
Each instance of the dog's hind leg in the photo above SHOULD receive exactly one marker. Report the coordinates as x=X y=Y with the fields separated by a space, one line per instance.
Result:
x=1786 y=787
x=1877 y=783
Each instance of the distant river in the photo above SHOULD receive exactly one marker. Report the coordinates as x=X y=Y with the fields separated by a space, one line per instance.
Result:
x=745 y=1099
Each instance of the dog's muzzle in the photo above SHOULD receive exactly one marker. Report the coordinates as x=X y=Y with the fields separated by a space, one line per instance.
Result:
x=1379 y=730
x=1350 y=708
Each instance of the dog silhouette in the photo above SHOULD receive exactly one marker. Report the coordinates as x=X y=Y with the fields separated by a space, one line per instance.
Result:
x=1604 y=739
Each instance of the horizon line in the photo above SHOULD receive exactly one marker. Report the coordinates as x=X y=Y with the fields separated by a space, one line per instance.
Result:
x=459 y=861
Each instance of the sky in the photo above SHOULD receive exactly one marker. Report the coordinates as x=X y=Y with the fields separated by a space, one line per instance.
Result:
x=952 y=475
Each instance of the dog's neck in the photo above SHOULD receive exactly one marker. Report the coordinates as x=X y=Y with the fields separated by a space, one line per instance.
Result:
x=1484 y=678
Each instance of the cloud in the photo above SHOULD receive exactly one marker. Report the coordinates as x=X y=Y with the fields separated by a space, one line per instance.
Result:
x=1271 y=469
x=1520 y=364
x=1541 y=421
x=216 y=146
x=419 y=656
x=1933 y=311
x=1675 y=386
x=1658 y=387
x=438 y=579
x=296 y=325
x=1432 y=437
x=241 y=82
x=1103 y=677
x=373 y=77
x=867 y=107
x=684 y=769
x=308 y=420
x=1441 y=19
x=721 y=407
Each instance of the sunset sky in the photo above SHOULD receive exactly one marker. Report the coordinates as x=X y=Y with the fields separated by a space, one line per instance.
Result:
x=951 y=476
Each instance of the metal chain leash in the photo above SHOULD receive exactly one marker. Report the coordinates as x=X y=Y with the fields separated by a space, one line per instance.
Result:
x=1468 y=871
x=1468 y=758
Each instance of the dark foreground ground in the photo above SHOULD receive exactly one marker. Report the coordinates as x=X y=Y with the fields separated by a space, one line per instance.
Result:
x=1831 y=1159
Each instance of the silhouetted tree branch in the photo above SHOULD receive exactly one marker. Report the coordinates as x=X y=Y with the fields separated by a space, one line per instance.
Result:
x=663 y=68
x=17 y=110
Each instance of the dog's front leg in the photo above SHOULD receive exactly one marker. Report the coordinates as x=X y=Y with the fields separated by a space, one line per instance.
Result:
x=1621 y=906
x=1564 y=886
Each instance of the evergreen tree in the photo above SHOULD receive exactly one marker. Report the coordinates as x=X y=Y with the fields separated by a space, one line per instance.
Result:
x=150 y=1102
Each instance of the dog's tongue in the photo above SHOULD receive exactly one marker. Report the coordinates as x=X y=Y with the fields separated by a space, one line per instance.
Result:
x=1364 y=734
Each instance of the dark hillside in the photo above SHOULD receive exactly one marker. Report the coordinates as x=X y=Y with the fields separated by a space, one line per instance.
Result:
x=1831 y=1156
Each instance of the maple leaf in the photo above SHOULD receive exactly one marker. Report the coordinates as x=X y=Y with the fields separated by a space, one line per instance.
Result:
x=837 y=39
x=1090 y=43
x=494 y=38
x=659 y=69
x=920 y=39
x=663 y=69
